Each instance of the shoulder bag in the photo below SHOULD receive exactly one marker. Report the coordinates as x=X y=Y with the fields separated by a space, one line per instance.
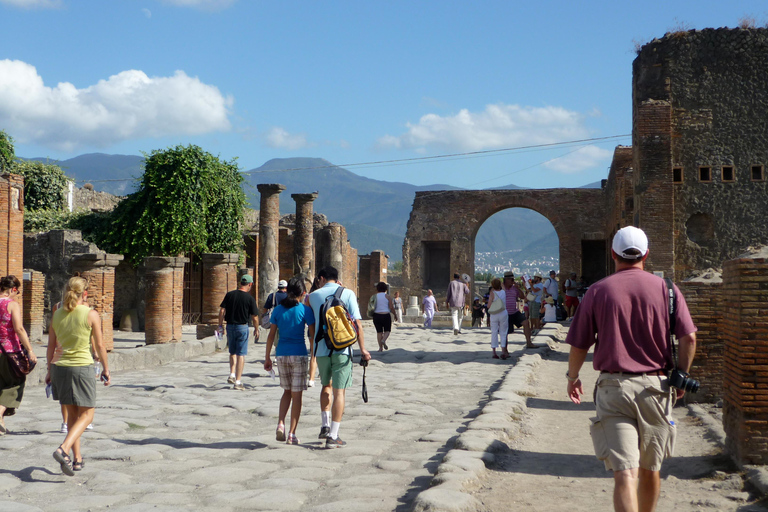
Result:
x=498 y=306
x=19 y=362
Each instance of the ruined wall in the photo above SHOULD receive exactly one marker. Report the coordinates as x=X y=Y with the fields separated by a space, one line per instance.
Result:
x=372 y=270
x=713 y=85
x=12 y=225
x=446 y=223
x=85 y=199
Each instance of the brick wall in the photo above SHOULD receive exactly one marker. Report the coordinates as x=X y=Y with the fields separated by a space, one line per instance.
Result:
x=745 y=331
x=373 y=269
x=285 y=254
x=705 y=302
x=33 y=304
x=11 y=225
x=164 y=278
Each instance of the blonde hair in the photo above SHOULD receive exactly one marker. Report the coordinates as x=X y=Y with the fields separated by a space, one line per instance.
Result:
x=73 y=291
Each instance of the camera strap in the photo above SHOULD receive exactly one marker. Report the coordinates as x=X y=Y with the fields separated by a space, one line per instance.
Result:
x=672 y=307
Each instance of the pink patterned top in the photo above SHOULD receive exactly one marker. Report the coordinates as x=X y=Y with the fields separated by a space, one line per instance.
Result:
x=8 y=337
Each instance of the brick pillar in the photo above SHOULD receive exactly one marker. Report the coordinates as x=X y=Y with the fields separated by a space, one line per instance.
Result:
x=164 y=296
x=285 y=253
x=745 y=383
x=303 y=240
x=99 y=270
x=269 y=224
x=220 y=275
x=33 y=304
x=373 y=269
x=12 y=225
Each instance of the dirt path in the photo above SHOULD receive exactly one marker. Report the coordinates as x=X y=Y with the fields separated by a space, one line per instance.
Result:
x=552 y=466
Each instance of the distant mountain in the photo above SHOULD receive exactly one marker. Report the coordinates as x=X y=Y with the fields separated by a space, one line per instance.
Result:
x=594 y=184
x=107 y=173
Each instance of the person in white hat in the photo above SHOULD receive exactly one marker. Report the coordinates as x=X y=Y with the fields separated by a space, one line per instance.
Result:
x=626 y=317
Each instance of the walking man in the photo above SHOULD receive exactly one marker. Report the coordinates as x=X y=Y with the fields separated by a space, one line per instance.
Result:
x=236 y=307
x=628 y=312
x=551 y=286
x=516 y=318
x=430 y=307
x=456 y=300
x=335 y=367
x=571 y=295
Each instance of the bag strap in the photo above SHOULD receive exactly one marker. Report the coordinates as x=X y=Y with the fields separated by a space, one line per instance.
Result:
x=672 y=308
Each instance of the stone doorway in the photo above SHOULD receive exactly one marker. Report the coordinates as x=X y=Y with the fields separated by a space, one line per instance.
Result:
x=594 y=263
x=192 y=305
x=437 y=264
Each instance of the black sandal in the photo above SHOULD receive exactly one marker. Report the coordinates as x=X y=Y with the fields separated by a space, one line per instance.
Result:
x=78 y=465
x=66 y=463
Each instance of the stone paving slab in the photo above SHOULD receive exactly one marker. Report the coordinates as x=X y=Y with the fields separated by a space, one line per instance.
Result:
x=176 y=437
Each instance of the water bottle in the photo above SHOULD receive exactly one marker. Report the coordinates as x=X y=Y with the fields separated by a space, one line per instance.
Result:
x=272 y=373
x=97 y=369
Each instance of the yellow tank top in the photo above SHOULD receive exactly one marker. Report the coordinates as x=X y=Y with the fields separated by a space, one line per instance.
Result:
x=74 y=335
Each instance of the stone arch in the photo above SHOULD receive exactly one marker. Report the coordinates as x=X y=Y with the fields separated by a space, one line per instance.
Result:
x=448 y=221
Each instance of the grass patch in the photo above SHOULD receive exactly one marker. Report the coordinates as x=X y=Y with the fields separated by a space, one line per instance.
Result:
x=134 y=426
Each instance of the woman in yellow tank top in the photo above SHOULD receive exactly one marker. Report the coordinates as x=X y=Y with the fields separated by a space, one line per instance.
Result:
x=72 y=376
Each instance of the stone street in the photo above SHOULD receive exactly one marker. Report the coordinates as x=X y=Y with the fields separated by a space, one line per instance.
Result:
x=178 y=437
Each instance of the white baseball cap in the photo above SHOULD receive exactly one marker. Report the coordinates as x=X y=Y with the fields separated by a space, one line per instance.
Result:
x=282 y=284
x=627 y=238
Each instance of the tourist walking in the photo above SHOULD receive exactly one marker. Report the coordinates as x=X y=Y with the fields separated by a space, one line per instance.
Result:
x=382 y=320
x=313 y=358
x=237 y=306
x=551 y=286
x=398 y=307
x=512 y=295
x=430 y=308
x=498 y=309
x=72 y=377
x=571 y=295
x=456 y=300
x=335 y=367
x=626 y=317
x=534 y=304
x=13 y=341
x=291 y=316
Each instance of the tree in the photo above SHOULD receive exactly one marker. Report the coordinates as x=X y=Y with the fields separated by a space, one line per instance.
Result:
x=7 y=152
x=45 y=185
x=188 y=201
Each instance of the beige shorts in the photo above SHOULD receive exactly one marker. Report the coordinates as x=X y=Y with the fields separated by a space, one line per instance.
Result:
x=293 y=372
x=634 y=426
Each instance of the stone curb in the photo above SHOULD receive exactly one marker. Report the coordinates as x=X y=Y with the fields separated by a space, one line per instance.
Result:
x=475 y=447
x=757 y=476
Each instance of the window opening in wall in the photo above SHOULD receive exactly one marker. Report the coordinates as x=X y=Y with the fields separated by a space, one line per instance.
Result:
x=757 y=173
x=677 y=175
x=727 y=173
x=705 y=174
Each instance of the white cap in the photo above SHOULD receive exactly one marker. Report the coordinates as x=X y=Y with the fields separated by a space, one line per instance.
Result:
x=282 y=284
x=627 y=238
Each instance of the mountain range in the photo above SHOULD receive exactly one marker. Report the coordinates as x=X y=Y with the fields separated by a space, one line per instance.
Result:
x=374 y=212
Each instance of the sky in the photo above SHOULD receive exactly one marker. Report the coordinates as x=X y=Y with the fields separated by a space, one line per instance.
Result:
x=474 y=94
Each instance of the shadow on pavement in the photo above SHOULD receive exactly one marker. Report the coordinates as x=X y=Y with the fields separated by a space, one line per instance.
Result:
x=181 y=444
x=25 y=475
x=554 y=464
x=560 y=405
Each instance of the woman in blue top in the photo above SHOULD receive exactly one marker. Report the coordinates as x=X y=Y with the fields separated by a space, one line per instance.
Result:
x=290 y=317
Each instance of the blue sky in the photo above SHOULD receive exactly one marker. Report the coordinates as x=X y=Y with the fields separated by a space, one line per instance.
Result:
x=347 y=81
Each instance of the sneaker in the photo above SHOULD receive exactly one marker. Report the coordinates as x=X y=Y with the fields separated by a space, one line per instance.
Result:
x=89 y=427
x=231 y=380
x=292 y=439
x=280 y=433
x=325 y=432
x=64 y=428
x=334 y=443
x=239 y=387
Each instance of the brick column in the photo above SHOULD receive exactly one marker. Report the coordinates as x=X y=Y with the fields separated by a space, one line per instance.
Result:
x=303 y=240
x=164 y=296
x=269 y=224
x=220 y=275
x=745 y=383
x=285 y=253
x=373 y=269
x=33 y=304
x=12 y=225
x=99 y=270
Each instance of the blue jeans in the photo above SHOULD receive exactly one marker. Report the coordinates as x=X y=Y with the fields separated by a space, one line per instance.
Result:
x=237 y=339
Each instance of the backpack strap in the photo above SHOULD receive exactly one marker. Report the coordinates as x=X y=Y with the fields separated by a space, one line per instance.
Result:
x=672 y=308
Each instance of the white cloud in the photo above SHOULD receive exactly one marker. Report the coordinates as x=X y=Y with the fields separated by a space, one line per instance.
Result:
x=208 y=5
x=581 y=159
x=125 y=106
x=497 y=126
x=147 y=12
x=34 y=4
x=279 y=138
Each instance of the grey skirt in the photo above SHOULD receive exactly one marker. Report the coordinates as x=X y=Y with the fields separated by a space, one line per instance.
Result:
x=11 y=387
x=74 y=385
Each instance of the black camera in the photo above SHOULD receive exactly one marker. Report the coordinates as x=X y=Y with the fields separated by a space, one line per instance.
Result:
x=681 y=380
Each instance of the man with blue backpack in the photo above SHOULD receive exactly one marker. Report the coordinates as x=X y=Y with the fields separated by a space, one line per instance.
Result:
x=338 y=327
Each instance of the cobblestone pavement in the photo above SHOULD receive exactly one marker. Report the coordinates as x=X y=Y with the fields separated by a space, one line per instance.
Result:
x=178 y=437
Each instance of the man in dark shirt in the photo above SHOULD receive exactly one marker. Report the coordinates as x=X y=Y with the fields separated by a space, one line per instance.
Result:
x=236 y=307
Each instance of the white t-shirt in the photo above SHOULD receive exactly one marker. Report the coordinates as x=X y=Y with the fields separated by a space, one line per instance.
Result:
x=551 y=286
x=382 y=303
x=550 y=313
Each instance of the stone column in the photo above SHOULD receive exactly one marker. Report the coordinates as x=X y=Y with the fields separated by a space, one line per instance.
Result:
x=164 y=296
x=33 y=304
x=220 y=275
x=335 y=256
x=269 y=223
x=12 y=225
x=99 y=270
x=303 y=239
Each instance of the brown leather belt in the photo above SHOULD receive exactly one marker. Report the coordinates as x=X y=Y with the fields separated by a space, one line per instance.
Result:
x=654 y=373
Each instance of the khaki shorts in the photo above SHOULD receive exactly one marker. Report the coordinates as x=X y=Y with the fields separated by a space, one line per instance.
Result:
x=293 y=372
x=634 y=426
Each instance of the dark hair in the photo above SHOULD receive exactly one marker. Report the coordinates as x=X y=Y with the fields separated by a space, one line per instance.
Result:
x=381 y=287
x=630 y=261
x=456 y=276
x=295 y=290
x=329 y=273
x=315 y=284
x=9 y=282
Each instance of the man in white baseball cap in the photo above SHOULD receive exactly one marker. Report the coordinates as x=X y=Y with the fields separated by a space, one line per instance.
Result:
x=630 y=243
